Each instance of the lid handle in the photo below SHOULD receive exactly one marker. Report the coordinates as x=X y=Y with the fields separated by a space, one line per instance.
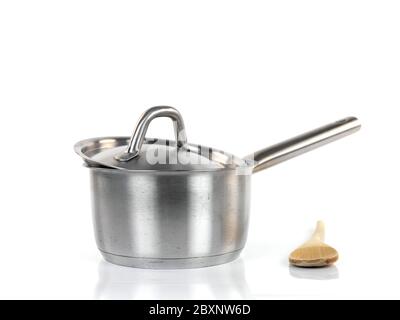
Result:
x=136 y=142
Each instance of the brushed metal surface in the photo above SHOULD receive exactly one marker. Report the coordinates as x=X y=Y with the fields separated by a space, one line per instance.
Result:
x=196 y=216
x=303 y=143
x=138 y=136
x=101 y=152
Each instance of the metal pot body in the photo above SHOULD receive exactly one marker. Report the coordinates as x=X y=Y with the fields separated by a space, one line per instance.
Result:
x=170 y=219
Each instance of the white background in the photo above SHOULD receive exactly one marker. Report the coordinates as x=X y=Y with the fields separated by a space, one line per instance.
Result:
x=244 y=74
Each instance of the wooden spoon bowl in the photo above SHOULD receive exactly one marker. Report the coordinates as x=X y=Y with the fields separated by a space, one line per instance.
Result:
x=314 y=252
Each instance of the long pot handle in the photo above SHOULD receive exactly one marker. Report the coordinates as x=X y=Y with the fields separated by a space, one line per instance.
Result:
x=305 y=142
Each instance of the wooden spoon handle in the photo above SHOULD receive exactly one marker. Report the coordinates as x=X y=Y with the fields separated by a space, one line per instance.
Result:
x=319 y=233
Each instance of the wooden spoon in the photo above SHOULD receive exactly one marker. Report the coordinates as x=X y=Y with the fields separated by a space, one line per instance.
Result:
x=314 y=252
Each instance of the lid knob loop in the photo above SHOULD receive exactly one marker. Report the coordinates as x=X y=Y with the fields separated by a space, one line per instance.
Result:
x=137 y=139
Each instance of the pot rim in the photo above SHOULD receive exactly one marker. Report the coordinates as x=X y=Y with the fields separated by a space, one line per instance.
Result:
x=84 y=146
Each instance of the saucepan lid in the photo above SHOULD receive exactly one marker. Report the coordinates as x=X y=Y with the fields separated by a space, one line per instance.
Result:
x=141 y=153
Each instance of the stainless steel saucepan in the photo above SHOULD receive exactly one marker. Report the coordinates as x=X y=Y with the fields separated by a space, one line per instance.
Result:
x=170 y=204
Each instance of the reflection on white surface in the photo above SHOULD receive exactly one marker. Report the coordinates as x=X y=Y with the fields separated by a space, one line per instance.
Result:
x=225 y=281
x=326 y=273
